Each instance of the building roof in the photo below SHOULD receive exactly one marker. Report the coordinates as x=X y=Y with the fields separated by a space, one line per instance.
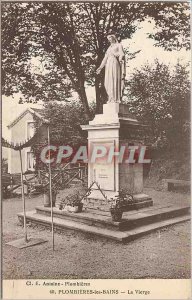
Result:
x=38 y=110
x=34 y=111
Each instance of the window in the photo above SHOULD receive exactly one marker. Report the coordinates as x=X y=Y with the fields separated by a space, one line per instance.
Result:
x=30 y=161
x=30 y=129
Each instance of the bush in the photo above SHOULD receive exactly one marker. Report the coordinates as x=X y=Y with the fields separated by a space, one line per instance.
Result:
x=161 y=97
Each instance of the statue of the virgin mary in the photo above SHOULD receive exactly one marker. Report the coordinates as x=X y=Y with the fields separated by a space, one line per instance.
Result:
x=115 y=69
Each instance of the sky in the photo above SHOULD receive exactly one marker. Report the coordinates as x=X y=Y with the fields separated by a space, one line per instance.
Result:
x=11 y=109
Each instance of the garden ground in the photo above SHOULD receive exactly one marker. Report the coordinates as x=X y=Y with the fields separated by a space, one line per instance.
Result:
x=162 y=254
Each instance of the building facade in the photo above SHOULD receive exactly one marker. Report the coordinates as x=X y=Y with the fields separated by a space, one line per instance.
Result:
x=22 y=129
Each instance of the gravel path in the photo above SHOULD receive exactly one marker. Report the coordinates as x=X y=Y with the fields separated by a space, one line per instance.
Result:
x=162 y=254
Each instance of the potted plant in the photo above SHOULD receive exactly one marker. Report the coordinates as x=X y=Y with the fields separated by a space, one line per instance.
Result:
x=74 y=203
x=46 y=197
x=119 y=204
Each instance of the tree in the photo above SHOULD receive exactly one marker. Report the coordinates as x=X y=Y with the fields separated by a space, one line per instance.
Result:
x=171 y=25
x=65 y=127
x=70 y=40
x=161 y=97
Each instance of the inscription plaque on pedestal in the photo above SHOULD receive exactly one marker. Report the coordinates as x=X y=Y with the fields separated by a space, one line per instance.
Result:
x=103 y=172
x=104 y=176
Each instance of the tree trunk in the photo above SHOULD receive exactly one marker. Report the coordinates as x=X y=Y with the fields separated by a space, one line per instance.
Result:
x=84 y=101
x=101 y=95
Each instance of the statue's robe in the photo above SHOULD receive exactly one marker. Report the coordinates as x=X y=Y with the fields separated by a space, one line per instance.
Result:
x=114 y=72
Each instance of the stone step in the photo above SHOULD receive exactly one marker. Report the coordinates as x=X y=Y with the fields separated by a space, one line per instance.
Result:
x=103 y=206
x=125 y=236
x=130 y=220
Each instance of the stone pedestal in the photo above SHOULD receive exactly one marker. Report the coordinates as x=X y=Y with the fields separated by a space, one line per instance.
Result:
x=114 y=128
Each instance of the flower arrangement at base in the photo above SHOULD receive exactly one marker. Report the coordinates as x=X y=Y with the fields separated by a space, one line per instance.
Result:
x=73 y=203
x=47 y=200
x=119 y=203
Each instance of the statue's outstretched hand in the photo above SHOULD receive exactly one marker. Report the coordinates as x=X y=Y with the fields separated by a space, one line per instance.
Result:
x=98 y=71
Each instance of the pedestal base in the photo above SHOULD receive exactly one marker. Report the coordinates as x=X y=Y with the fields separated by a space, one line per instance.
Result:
x=118 y=132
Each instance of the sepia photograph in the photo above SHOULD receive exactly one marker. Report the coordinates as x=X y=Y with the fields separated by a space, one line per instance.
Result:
x=95 y=164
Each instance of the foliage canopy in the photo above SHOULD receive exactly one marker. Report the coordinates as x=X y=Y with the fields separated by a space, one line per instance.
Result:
x=69 y=41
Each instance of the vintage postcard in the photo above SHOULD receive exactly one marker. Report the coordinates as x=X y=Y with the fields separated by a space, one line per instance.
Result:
x=95 y=150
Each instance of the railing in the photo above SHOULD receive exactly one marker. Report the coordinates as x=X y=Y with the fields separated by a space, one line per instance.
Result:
x=12 y=182
x=39 y=182
x=62 y=177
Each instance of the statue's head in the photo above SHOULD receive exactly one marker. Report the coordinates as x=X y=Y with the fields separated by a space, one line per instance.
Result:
x=111 y=36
